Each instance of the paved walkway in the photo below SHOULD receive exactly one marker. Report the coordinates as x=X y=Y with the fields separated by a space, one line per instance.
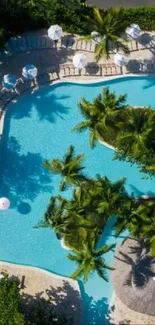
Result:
x=121 y=314
x=64 y=293
x=124 y=3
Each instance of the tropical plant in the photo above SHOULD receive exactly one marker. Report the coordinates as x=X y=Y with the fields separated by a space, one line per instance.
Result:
x=70 y=168
x=139 y=219
x=132 y=139
x=108 y=26
x=10 y=300
x=100 y=114
x=89 y=259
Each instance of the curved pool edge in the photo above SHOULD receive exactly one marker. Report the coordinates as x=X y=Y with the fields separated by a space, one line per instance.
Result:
x=68 y=80
x=38 y=280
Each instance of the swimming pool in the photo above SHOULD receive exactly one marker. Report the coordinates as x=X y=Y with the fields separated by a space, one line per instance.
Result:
x=38 y=127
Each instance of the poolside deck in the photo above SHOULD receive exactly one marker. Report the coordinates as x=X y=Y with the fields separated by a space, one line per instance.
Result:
x=64 y=292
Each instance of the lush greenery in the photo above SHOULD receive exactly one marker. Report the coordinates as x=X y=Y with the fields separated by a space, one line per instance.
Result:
x=70 y=168
x=17 y=16
x=81 y=219
x=10 y=299
x=138 y=216
x=90 y=259
x=130 y=130
x=19 y=309
x=108 y=26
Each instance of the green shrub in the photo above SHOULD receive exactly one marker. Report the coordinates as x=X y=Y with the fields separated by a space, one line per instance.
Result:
x=143 y=16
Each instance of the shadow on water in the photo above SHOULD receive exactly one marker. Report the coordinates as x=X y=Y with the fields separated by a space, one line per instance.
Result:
x=150 y=82
x=23 y=177
x=136 y=192
x=95 y=312
x=108 y=232
x=47 y=105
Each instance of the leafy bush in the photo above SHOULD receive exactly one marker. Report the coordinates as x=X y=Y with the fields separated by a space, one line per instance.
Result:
x=10 y=299
x=17 y=309
x=143 y=16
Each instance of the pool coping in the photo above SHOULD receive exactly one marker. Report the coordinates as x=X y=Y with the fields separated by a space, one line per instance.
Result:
x=66 y=80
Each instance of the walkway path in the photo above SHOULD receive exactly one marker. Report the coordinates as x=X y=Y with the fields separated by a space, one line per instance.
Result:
x=63 y=292
x=116 y=3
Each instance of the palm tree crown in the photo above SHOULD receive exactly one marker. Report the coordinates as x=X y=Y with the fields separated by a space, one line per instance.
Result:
x=108 y=26
x=70 y=168
x=89 y=259
x=100 y=114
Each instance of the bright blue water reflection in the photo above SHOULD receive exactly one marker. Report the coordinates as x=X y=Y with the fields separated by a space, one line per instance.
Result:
x=39 y=127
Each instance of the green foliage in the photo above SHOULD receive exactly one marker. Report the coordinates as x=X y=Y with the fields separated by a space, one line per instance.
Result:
x=17 y=16
x=81 y=219
x=100 y=115
x=70 y=168
x=20 y=309
x=144 y=16
x=109 y=26
x=138 y=216
x=90 y=259
x=10 y=299
x=130 y=130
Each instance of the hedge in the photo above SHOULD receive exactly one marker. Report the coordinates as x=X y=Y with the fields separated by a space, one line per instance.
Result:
x=143 y=16
x=20 y=16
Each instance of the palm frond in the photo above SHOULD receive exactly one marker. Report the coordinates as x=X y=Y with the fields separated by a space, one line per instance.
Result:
x=82 y=126
x=69 y=154
x=104 y=249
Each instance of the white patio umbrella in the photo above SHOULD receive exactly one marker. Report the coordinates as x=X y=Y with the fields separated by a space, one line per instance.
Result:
x=55 y=32
x=121 y=59
x=80 y=60
x=4 y=203
x=133 y=32
x=9 y=81
x=97 y=39
x=29 y=71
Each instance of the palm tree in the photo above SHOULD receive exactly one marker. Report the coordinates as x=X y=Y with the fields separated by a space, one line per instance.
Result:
x=139 y=219
x=108 y=26
x=100 y=114
x=70 y=168
x=113 y=195
x=132 y=139
x=89 y=259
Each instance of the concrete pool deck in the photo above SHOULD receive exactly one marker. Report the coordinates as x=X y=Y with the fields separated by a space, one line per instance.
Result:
x=64 y=292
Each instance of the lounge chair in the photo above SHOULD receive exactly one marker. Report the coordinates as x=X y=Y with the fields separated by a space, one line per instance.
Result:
x=133 y=46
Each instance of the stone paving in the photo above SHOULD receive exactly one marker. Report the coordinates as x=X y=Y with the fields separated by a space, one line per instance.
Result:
x=63 y=292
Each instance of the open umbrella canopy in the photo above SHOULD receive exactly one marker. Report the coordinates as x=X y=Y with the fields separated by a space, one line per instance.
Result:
x=97 y=39
x=4 y=203
x=80 y=60
x=29 y=71
x=121 y=59
x=9 y=81
x=133 y=32
x=55 y=32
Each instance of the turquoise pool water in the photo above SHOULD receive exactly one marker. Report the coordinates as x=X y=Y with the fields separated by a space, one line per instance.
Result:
x=38 y=127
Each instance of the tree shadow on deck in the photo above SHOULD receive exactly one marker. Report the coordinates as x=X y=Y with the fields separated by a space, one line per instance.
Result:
x=62 y=300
